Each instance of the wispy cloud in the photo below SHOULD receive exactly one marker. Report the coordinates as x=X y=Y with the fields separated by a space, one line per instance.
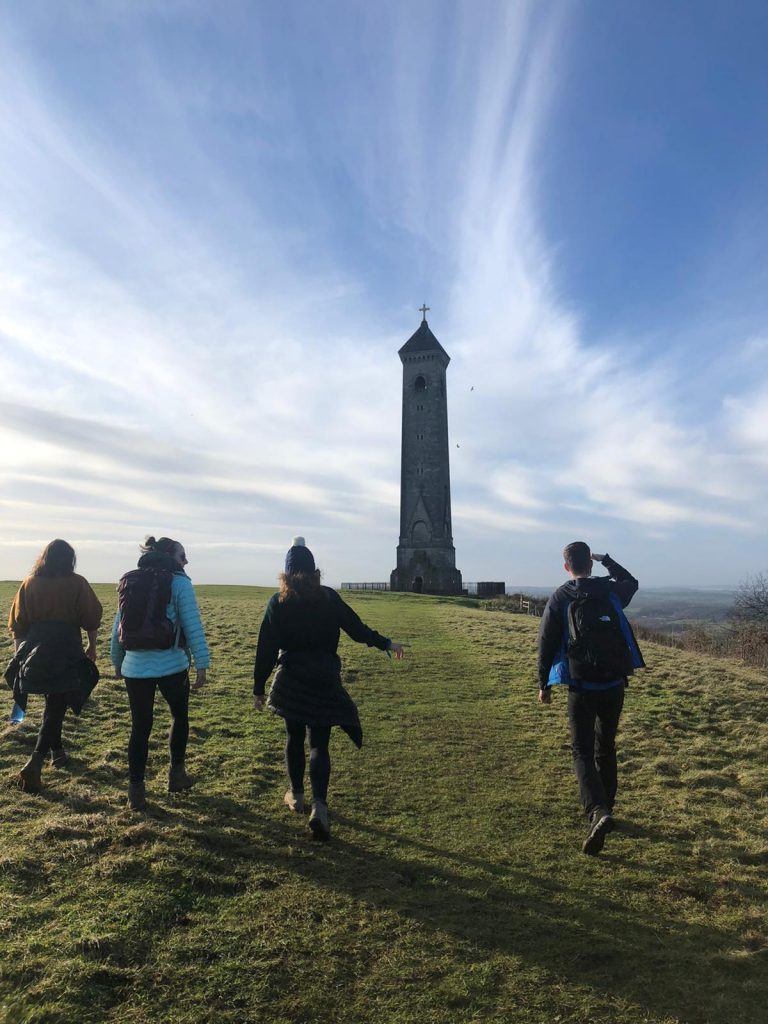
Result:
x=204 y=279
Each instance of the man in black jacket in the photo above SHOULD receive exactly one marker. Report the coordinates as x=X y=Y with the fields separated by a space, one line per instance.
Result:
x=594 y=707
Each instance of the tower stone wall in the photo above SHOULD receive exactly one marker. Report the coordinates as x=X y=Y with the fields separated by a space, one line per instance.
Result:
x=426 y=557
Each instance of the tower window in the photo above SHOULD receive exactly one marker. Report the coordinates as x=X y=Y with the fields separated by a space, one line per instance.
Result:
x=420 y=384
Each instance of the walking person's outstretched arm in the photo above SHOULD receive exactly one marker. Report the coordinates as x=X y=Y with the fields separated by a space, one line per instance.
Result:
x=357 y=630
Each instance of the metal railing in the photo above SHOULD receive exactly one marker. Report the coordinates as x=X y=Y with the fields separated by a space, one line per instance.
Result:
x=484 y=588
x=517 y=602
x=364 y=586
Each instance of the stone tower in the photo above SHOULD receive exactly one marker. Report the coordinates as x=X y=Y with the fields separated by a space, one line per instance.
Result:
x=426 y=557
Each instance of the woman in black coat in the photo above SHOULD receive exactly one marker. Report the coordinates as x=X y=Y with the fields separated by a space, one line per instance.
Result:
x=300 y=634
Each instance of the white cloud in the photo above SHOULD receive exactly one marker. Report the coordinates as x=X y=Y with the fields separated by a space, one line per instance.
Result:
x=210 y=363
x=747 y=420
x=479 y=518
x=518 y=486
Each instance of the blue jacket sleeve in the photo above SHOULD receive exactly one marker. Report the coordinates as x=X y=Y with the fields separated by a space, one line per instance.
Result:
x=189 y=616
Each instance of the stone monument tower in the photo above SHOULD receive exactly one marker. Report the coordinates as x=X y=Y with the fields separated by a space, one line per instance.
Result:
x=426 y=557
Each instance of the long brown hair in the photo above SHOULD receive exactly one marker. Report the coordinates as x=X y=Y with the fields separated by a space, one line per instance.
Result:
x=56 y=559
x=300 y=586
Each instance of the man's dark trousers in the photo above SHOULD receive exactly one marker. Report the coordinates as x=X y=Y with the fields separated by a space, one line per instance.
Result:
x=593 y=718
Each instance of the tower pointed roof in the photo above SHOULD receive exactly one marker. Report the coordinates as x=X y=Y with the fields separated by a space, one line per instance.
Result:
x=422 y=340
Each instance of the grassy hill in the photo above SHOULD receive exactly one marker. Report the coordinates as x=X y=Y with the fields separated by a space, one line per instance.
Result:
x=453 y=889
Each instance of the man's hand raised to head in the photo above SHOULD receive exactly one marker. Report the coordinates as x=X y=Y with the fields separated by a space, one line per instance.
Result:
x=597 y=558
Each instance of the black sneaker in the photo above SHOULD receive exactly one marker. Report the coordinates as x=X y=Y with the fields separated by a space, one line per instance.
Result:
x=601 y=823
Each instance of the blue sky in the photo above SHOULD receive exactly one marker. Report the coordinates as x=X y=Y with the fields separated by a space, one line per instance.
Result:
x=217 y=222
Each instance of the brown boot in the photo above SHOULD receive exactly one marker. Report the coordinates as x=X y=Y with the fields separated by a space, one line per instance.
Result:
x=178 y=780
x=30 y=775
x=137 y=796
x=59 y=758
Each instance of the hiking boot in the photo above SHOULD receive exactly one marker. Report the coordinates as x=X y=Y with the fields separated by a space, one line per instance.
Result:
x=137 y=796
x=59 y=758
x=29 y=778
x=318 y=820
x=294 y=800
x=178 y=780
x=600 y=824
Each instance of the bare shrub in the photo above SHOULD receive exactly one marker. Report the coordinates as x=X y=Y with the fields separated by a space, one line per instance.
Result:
x=748 y=643
x=751 y=601
x=750 y=618
x=751 y=642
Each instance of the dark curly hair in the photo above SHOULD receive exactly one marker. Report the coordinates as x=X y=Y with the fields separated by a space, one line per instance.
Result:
x=165 y=545
x=301 y=586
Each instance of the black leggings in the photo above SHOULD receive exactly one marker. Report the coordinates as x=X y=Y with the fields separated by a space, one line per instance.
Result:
x=319 y=758
x=141 y=695
x=49 y=737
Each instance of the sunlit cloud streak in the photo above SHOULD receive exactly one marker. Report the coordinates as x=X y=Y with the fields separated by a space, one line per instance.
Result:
x=204 y=281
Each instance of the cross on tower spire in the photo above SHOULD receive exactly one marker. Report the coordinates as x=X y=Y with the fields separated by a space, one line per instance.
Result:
x=424 y=309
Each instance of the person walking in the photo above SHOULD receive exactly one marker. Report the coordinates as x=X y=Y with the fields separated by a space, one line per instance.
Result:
x=300 y=634
x=587 y=644
x=50 y=609
x=156 y=635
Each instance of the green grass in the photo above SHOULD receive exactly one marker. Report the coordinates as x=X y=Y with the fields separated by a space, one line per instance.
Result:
x=453 y=889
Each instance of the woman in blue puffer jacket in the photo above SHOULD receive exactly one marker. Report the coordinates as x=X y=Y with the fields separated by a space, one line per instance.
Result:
x=146 y=669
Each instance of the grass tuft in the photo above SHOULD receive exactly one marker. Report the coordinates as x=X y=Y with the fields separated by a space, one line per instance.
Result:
x=453 y=888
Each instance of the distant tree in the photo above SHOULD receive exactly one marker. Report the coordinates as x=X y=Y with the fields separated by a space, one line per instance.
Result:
x=751 y=601
x=750 y=617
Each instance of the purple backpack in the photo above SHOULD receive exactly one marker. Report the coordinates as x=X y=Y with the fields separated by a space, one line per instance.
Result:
x=143 y=596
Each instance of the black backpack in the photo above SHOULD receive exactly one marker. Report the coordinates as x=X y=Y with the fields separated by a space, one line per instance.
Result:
x=597 y=649
x=143 y=596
